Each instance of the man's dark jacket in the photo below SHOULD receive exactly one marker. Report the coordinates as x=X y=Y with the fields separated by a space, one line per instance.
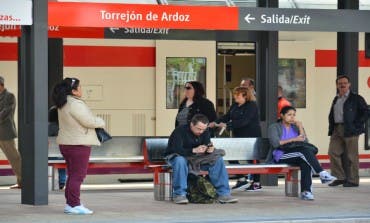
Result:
x=182 y=141
x=355 y=114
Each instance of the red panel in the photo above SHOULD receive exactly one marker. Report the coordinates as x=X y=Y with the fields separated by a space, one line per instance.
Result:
x=8 y=51
x=325 y=58
x=362 y=60
x=326 y=157
x=108 y=56
x=328 y=58
x=142 y=16
x=10 y=30
x=75 y=32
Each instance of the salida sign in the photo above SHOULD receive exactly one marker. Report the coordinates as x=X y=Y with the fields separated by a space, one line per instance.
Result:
x=148 y=16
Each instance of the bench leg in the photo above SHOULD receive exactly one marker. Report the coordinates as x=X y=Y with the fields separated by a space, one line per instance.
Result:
x=162 y=185
x=292 y=183
x=52 y=178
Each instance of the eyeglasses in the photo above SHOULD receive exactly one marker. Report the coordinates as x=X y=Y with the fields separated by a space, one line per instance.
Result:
x=188 y=88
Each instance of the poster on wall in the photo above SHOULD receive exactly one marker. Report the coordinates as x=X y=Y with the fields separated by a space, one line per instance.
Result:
x=180 y=70
x=15 y=12
x=292 y=78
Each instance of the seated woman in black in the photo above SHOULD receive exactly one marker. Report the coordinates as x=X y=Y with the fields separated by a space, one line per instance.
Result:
x=290 y=144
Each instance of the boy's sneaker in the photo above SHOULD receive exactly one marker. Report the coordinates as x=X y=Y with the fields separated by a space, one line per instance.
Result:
x=254 y=187
x=227 y=199
x=241 y=185
x=81 y=210
x=307 y=196
x=326 y=178
x=180 y=199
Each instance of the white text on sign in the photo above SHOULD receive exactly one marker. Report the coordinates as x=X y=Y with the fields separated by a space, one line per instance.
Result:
x=283 y=19
x=150 y=16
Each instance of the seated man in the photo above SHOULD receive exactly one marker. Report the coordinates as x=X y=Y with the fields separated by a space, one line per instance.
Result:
x=188 y=141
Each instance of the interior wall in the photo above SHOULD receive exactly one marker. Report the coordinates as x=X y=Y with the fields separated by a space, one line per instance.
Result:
x=241 y=66
x=165 y=118
x=123 y=96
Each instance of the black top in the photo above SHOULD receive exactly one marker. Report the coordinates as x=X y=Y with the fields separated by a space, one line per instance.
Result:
x=200 y=106
x=243 y=120
x=355 y=113
x=182 y=141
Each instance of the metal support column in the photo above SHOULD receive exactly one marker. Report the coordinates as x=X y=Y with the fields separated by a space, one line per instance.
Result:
x=347 y=44
x=267 y=80
x=55 y=65
x=33 y=102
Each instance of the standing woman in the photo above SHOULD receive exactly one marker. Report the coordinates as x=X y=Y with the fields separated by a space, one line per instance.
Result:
x=76 y=135
x=194 y=103
x=243 y=119
x=289 y=141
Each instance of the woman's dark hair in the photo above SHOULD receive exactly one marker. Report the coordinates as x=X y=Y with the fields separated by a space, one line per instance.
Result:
x=286 y=109
x=198 y=90
x=63 y=89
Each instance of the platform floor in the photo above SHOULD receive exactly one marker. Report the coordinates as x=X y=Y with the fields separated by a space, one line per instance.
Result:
x=133 y=202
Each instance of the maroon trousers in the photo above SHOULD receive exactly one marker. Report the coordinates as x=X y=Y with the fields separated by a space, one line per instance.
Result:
x=77 y=160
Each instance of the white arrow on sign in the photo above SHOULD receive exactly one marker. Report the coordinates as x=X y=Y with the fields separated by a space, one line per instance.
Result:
x=248 y=18
x=113 y=30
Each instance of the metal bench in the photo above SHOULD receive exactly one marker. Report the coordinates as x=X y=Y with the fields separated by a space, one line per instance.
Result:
x=121 y=155
x=241 y=149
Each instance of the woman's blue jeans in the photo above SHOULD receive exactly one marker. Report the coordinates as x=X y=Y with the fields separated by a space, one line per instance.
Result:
x=217 y=175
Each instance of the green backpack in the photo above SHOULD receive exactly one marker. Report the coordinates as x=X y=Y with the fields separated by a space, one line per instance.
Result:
x=200 y=190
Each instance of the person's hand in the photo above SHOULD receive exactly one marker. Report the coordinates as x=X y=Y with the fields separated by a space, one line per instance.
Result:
x=298 y=124
x=300 y=138
x=210 y=148
x=222 y=125
x=212 y=125
x=200 y=149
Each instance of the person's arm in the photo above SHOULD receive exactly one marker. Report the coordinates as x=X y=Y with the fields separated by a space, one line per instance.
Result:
x=9 y=107
x=273 y=135
x=299 y=138
x=208 y=109
x=176 y=144
x=300 y=128
x=362 y=110
x=84 y=116
x=225 y=118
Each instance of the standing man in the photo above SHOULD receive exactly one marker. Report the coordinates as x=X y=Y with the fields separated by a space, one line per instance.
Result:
x=8 y=132
x=249 y=83
x=189 y=142
x=347 y=118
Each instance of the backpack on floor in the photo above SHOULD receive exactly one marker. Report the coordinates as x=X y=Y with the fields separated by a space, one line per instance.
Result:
x=200 y=190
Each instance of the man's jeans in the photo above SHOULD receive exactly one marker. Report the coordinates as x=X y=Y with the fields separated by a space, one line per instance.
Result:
x=217 y=175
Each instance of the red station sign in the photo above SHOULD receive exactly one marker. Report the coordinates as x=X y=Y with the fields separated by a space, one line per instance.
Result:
x=73 y=14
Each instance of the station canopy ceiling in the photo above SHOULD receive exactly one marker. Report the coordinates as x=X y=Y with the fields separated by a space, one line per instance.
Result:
x=300 y=4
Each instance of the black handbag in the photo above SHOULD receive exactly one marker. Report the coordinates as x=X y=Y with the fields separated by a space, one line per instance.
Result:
x=102 y=135
x=303 y=145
